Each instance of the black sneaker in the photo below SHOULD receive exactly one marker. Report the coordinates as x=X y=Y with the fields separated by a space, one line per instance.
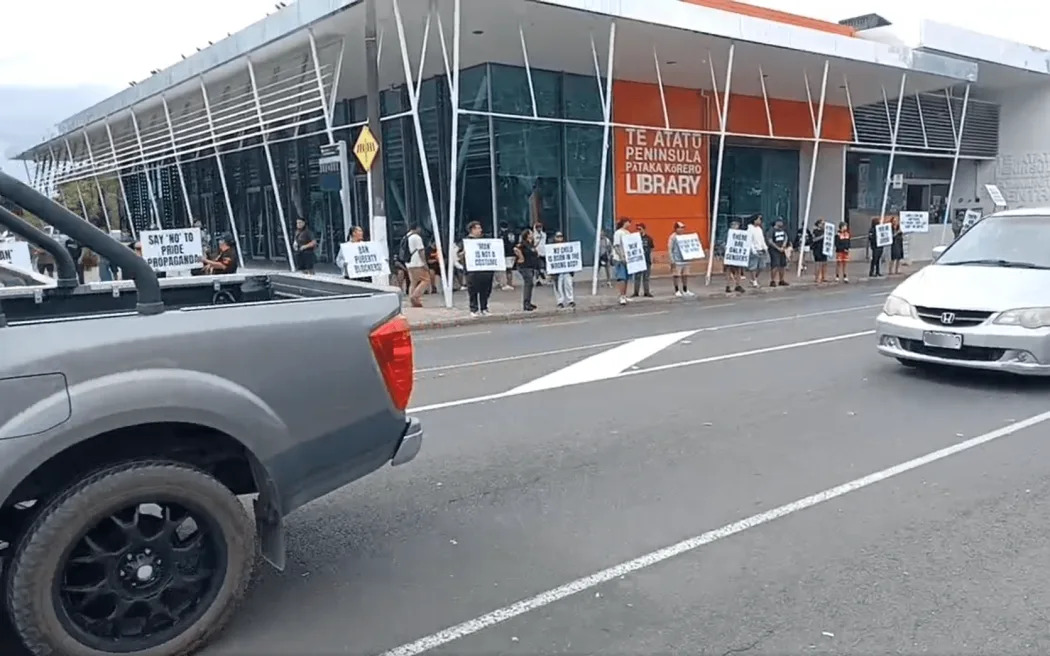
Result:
x=649 y=296
x=782 y=283
x=728 y=289
x=739 y=289
x=772 y=283
x=561 y=306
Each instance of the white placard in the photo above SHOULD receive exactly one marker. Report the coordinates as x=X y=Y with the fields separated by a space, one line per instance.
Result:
x=898 y=181
x=738 y=249
x=996 y=195
x=564 y=257
x=690 y=247
x=16 y=253
x=828 y=246
x=484 y=255
x=915 y=222
x=883 y=235
x=635 y=254
x=172 y=250
x=364 y=259
x=971 y=217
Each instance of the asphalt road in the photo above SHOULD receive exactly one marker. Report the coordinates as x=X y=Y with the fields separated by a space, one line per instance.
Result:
x=716 y=443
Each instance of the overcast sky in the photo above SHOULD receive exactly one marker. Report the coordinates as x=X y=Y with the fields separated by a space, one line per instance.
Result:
x=63 y=55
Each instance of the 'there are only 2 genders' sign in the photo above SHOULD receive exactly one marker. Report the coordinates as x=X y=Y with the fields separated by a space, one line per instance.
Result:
x=172 y=250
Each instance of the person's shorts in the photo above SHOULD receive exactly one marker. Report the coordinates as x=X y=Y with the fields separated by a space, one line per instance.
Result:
x=679 y=268
x=778 y=259
x=818 y=255
x=417 y=275
x=621 y=272
x=758 y=261
x=842 y=256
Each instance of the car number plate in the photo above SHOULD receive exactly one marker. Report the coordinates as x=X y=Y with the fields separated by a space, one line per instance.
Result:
x=952 y=341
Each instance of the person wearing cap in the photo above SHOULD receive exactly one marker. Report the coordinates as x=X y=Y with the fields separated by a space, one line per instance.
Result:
x=679 y=265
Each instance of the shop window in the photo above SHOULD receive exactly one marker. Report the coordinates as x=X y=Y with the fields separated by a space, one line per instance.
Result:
x=757 y=181
x=511 y=93
x=528 y=173
x=583 y=154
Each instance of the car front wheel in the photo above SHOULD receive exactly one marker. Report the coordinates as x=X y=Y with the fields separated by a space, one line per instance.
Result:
x=146 y=558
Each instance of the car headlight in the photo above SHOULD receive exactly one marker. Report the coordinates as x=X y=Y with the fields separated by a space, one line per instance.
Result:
x=1031 y=318
x=896 y=306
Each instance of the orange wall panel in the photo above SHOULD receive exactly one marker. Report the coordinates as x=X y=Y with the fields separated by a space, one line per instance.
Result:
x=791 y=119
x=776 y=16
x=661 y=176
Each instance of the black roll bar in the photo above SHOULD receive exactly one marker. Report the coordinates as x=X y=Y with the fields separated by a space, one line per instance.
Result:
x=69 y=224
x=66 y=268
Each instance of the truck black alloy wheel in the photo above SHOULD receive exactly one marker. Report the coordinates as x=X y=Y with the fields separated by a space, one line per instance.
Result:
x=145 y=558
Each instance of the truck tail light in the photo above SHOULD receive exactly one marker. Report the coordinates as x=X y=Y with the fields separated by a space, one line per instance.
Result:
x=392 y=346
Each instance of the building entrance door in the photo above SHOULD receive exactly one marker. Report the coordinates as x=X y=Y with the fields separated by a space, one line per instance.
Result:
x=262 y=242
x=927 y=197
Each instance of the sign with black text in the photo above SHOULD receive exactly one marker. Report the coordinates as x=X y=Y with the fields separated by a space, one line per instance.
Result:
x=364 y=259
x=564 y=257
x=635 y=254
x=971 y=217
x=996 y=195
x=915 y=222
x=172 y=250
x=484 y=255
x=738 y=249
x=690 y=247
x=883 y=235
x=16 y=254
x=828 y=245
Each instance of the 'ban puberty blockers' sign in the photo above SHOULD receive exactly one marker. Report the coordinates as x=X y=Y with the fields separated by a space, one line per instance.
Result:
x=364 y=259
x=172 y=250
x=16 y=253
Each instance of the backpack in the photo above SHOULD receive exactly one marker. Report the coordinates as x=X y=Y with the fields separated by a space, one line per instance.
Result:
x=403 y=254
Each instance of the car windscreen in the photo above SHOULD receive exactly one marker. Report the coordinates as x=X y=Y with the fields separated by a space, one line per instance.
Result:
x=1022 y=241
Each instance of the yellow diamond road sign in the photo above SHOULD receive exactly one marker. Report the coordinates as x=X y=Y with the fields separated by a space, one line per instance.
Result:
x=366 y=148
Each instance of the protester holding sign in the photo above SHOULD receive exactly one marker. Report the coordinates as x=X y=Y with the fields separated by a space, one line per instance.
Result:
x=479 y=282
x=619 y=257
x=842 y=245
x=528 y=262
x=642 y=279
x=562 y=260
x=896 y=247
x=733 y=260
x=816 y=247
x=679 y=265
x=225 y=261
x=875 y=244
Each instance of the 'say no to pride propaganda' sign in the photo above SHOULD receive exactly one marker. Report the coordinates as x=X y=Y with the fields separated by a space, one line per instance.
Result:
x=566 y=257
x=172 y=250
x=663 y=162
x=635 y=254
x=690 y=246
x=915 y=222
x=484 y=255
x=738 y=249
x=16 y=253
x=364 y=259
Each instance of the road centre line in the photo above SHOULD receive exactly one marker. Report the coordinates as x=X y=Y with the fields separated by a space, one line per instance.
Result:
x=591 y=347
x=553 y=595
x=555 y=324
x=675 y=365
x=437 y=337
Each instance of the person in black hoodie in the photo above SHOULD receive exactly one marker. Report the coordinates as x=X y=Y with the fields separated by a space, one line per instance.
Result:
x=479 y=283
x=875 y=267
x=506 y=279
x=641 y=279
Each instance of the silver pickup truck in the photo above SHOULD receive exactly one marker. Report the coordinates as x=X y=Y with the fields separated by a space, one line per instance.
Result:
x=134 y=414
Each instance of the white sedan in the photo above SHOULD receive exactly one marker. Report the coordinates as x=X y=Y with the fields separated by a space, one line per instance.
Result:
x=983 y=304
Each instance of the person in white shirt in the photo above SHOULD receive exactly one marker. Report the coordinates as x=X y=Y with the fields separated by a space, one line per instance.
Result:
x=759 y=258
x=418 y=273
x=619 y=257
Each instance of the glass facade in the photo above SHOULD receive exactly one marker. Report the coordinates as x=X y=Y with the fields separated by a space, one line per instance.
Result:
x=924 y=185
x=517 y=170
x=757 y=180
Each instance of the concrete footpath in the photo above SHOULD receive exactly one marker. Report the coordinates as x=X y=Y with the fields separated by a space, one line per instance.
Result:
x=506 y=306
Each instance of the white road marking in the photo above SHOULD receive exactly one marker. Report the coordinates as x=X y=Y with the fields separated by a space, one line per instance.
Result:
x=555 y=324
x=716 y=358
x=632 y=315
x=882 y=293
x=553 y=595
x=591 y=347
x=437 y=337
x=604 y=365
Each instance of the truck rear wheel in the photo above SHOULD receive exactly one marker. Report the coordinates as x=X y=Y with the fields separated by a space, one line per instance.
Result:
x=147 y=558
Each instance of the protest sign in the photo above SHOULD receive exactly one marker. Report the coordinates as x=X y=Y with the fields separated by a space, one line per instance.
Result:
x=364 y=259
x=172 y=250
x=16 y=254
x=690 y=246
x=632 y=250
x=484 y=255
x=996 y=195
x=915 y=222
x=738 y=249
x=565 y=257
x=971 y=217
x=883 y=235
x=828 y=245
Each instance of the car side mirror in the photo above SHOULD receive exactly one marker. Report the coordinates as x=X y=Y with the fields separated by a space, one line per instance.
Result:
x=938 y=251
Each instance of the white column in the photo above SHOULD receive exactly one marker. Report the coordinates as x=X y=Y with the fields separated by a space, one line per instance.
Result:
x=421 y=146
x=893 y=147
x=222 y=173
x=344 y=175
x=80 y=194
x=663 y=93
x=606 y=130
x=765 y=99
x=145 y=170
x=852 y=117
x=955 y=163
x=29 y=176
x=52 y=189
x=178 y=164
x=528 y=71
x=454 y=165
x=723 y=120
x=120 y=180
x=98 y=185
x=818 y=128
x=269 y=164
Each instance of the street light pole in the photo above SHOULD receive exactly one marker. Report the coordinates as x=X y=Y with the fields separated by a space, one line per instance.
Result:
x=378 y=186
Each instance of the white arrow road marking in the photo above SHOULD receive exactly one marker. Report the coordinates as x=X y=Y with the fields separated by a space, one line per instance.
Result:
x=606 y=364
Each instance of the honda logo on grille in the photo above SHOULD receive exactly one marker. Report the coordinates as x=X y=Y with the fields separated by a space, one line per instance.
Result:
x=947 y=318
